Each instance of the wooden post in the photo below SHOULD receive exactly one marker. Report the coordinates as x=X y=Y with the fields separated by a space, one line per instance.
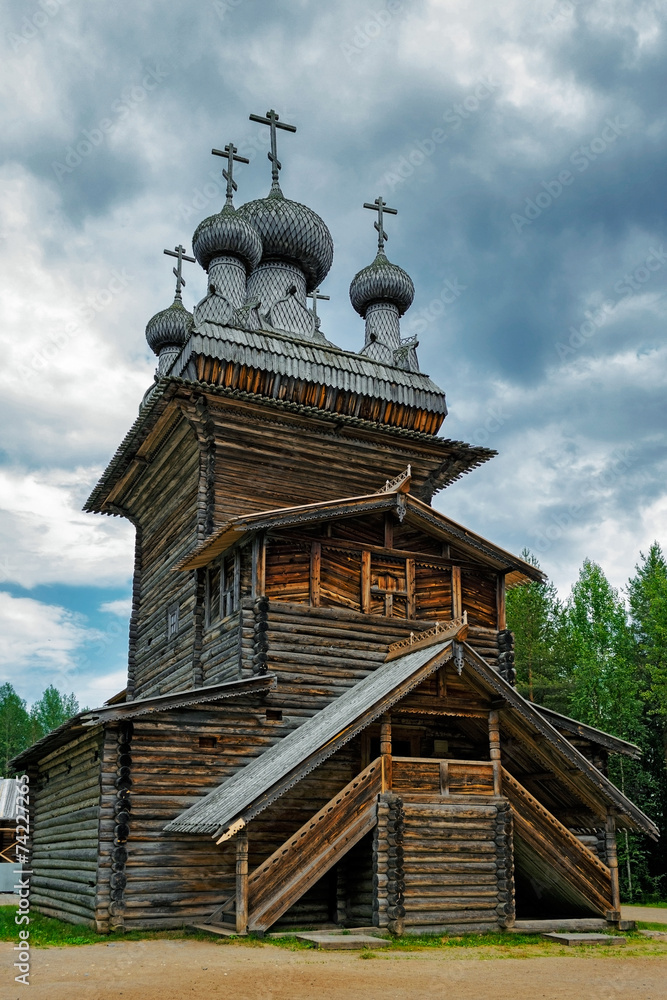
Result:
x=457 y=604
x=500 y=602
x=494 y=750
x=258 y=566
x=612 y=864
x=385 y=751
x=242 y=881
x=237 y=580
x=388 y=531
x=315 y=573
x=365 y=581
x=411 y=607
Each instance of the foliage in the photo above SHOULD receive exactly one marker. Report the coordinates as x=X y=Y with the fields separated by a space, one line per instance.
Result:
x=534 y=615
x=20 y=728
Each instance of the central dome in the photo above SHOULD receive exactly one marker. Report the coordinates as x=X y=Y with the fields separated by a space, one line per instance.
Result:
x=291 y=232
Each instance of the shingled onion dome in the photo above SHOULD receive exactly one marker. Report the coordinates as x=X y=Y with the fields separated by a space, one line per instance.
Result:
x=167 y=332
x=381 y=281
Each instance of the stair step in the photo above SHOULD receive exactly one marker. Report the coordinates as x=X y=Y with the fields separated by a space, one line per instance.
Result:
x=589 y=939
x=570 y=925
x=222 y=930
x=339 y=941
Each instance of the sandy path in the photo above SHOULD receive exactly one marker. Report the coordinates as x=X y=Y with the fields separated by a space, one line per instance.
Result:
x=176 y=970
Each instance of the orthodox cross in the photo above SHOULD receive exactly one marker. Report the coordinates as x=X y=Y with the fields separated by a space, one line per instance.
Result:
x=180 y=254
x=315 y=296
x=381 y=208
x=229 y=152
x=272 y=121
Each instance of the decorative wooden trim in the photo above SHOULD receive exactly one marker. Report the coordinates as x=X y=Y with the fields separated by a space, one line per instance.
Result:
x=400 y=483
x=457 y=629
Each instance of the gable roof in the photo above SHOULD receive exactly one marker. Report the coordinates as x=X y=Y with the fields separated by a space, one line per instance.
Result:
x=230 y=806
x=612 y=743
x=409 y=509
x=78 y=724
x=251 y=789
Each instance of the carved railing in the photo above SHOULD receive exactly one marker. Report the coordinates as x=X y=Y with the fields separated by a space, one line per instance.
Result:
x=564 y=854
x=291 y=870
x=457 y=628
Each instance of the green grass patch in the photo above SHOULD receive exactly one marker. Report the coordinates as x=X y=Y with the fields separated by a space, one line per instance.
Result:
x=651 y=926
x=46 y=932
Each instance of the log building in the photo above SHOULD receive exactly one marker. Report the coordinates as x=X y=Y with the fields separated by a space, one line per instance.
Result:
x=320 y=723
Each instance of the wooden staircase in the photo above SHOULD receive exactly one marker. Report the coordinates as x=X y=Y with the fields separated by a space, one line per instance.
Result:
x=552 y=856
x=303 y=859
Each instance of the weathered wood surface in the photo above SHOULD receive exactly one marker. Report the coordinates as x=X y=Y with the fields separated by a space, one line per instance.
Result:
x=66 y=790
x=554 y=855
x=301 y=861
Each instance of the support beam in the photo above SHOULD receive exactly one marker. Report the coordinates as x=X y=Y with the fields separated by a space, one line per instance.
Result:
x=315 y=573
x=612 y=862
x=494 y=750
x=258 y=566
x=457 y=603
x=385 y=752
x=500 y=602
x=242 y=881
x=411 y=604
x=388 y=531
x=365 y=582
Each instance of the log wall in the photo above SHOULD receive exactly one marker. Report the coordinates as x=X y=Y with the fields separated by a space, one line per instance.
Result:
x=454 y=864
x=66 y=789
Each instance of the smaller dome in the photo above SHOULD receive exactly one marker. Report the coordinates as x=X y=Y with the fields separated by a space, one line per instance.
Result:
x=226 y=233
x=381 y=281
x=169 y=328
x=292 y=232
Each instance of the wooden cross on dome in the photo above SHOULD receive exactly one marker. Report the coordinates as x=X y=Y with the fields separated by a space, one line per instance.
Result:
x=229 y=152
x=180 y=254
x=381 y=208
x=316 y=297
x=272 y=120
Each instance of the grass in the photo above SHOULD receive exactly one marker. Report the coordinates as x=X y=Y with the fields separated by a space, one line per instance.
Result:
x=47 y=932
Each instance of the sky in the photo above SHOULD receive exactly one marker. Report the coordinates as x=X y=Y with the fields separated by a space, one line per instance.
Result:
x=523 y=145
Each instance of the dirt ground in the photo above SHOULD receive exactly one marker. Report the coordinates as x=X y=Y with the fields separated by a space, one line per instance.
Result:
x=176 y=970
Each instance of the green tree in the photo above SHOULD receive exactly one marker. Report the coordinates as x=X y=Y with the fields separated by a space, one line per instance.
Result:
x=14 y=727
x=599 y=656
x=534 y=615
x=52 y=709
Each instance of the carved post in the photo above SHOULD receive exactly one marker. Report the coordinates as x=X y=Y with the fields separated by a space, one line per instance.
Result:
x=242 y=881
x=457 y=603
x=315 y=572
x=612 y=863
x=385 y=751
x=500 y=603
x=494 y=750
x=365 y=581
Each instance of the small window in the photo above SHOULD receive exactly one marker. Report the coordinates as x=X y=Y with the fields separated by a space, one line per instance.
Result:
x=274 y=715
x=208 y=742
x=172 y=621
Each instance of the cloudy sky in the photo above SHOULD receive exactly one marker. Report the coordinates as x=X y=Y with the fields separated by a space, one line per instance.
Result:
x=523 y=145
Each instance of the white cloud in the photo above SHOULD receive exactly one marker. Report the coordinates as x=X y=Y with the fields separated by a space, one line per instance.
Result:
x=48 y=539
x=122 y=608
x=43 y=639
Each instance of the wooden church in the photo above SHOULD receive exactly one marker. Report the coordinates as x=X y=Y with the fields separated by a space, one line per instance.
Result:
x=320 y=725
